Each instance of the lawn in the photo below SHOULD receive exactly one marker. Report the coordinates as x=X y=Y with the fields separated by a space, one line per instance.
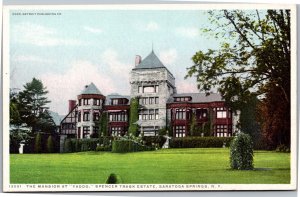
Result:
x=170 y=166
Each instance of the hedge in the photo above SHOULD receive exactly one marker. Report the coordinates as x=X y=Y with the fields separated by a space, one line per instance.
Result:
x=81 y=145
x=124 y=146
x=149 y=140
x=200 y=142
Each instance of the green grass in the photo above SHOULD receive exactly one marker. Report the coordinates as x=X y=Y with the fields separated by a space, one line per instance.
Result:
x=170 y=166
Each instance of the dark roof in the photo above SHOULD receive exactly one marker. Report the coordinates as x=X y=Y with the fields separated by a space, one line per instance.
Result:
x=114 y=96
x=91 y=89
x=197 y=97
x=151 y=61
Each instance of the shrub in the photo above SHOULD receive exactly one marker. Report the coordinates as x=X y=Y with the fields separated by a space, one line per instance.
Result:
x=38 y=143
x=283 y=148
x=113 y=179
x=127 y=145
x=89 y=144
x=50 y=145
x=103 y=148
x=122 y=146
x=200 y=142
x=241 y=152
x=68 y=146
x=149 y=140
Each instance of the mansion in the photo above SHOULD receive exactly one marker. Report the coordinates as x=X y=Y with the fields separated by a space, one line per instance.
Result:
x=160 y=106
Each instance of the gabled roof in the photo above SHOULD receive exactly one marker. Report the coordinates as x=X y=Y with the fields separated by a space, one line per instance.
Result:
x=91 y=89
x=197 y=97
x=151 y=61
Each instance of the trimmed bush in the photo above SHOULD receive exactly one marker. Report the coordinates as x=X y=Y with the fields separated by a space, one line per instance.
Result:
x=113 y=179
x=68 y=146
x=50 y=145
x=200 y=142
x=241 y=152
x=122 y=146
x=38 y=143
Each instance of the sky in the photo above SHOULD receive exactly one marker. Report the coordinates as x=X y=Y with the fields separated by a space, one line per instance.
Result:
x=69 y=49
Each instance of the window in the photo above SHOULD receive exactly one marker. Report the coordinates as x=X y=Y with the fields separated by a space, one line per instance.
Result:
x=86 y=101
x=151 y=100
x=95 y=129
x=96 y=116
x=156 y=100
x=97 y=102
x=114 y=102
x=221 y=114
x=180 y=114
x=178 y=99
x=149 y=89
x=116 y=131
x=179 y=131
x=118 y=117
x=144 y=101
x=78 y=132
x=86 y=131
x=150 y=131
x=86 y=116
x=223 y=130
x=148 y=114
x=79 y=102
x=79 y=116
x=151 y=114
x=156 y=114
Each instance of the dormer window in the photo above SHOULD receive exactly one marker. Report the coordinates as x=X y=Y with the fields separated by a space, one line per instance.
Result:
x=182 y=99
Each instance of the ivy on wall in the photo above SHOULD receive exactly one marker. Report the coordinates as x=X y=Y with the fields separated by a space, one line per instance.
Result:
x=134 y=117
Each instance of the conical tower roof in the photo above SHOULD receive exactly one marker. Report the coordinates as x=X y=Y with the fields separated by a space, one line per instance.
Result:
x=91 y=89
x=151 y=61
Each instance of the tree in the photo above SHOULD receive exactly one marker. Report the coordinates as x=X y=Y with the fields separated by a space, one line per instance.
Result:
x=134 y=116
x=32 y=107
x=255 y=62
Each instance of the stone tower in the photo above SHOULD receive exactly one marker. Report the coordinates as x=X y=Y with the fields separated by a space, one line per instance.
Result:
x=153 y=84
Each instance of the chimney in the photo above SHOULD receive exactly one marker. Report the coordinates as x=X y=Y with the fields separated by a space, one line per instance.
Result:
x=72 y=104
x=138 y=60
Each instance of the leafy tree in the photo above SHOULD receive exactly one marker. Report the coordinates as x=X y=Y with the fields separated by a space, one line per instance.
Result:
x=32 y=107
x=256 y=61
x=134 y=116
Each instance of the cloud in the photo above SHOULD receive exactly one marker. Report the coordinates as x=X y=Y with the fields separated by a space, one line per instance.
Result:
x=34 y=34
x=110 y=75
x=186 y=86
x=152 y=26
x=31 y=58
x=188 y=32
x=168 y=56
x=66 y=86
x=93 y=30
x=110 y=59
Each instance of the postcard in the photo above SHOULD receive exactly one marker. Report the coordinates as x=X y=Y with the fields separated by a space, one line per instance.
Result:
x=149 y=97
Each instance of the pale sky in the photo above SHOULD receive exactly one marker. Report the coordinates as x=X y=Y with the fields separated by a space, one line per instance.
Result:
x=77 y=47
